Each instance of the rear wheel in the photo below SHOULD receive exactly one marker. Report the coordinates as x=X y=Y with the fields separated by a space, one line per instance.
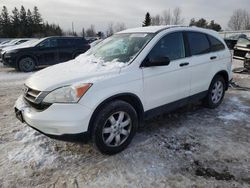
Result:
x=215 y=93
x=114 y=127
x=26 y=64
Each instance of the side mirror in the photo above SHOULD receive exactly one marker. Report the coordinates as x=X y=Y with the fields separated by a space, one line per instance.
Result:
x=158 y=61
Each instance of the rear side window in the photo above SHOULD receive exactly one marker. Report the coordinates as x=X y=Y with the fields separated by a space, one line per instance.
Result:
x=171 y=46
x=198 y=43
x=80 y=42
x=216 y=45
x=65 y=42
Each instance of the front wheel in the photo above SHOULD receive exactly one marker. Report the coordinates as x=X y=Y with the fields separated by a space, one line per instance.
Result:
x=26 y=64
x=216 y=92
x=114 y=127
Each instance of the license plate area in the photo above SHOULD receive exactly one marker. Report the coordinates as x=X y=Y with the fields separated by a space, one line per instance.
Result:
x=19 y=115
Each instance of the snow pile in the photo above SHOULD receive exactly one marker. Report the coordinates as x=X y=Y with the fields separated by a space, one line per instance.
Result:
x=4 y=76
x=238 y=111
x=90 y=59
x=236 y=116
x=34 y=148
x=83 y=64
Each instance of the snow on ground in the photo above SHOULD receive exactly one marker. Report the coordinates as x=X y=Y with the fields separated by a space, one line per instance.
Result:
x=191 y=147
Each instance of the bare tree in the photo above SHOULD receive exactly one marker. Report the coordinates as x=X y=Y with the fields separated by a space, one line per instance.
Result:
x=240 y=20
x=90 y=32
x=166 y=18
x=110 y=30
x=156 y=20
x=169 y=18
x=83 y=34
x=177 y=19
x=119 y=27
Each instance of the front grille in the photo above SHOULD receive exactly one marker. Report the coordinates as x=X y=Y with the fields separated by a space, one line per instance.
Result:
x=240 y=53
x=35 y=98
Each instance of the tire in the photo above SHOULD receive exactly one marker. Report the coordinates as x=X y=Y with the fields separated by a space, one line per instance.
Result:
x=216 y=92
x=26 y=64
x=114 y=127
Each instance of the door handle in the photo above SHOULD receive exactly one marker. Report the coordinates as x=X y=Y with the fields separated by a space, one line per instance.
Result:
x=213 y=57
x=184 y=64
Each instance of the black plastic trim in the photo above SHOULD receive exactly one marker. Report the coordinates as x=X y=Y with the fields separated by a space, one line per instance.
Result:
x=79 y=137
x=174 y=105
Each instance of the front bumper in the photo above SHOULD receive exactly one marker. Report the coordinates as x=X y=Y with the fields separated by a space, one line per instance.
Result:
x=8 y=60
x=57 y=120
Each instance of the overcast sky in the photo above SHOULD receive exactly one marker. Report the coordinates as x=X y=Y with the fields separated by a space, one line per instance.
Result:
x=131 y=12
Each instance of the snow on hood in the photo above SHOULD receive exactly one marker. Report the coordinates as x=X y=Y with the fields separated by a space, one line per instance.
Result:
x=83 y=69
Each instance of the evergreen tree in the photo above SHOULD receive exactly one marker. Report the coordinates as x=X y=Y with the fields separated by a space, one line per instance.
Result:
x=23 y=22
x=30 y=24
x=204 y=24
x=214 y=26
x=5 y=22
x=15 y=22
x=37 y=20
x=147 y=21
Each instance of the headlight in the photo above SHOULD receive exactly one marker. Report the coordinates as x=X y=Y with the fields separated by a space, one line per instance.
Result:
x=67 y=94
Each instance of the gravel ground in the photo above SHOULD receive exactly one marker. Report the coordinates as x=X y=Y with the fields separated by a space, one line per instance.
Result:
x=191 y=147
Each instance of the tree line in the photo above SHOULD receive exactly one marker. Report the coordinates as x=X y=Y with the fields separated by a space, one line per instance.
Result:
x=26 y=23
x=29 y=23
x=240 y=20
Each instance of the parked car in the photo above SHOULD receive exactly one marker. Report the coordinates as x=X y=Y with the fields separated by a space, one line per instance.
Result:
x=46 y=51
x=15 y=47
x=106 y=96
x=232 y=40
x=241 y=48
x=4 y=42
x=13 y=43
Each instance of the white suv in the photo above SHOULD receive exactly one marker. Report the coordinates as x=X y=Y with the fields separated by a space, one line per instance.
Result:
x=106 y=93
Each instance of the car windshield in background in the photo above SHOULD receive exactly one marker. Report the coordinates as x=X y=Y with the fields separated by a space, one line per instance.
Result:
x=121 y=47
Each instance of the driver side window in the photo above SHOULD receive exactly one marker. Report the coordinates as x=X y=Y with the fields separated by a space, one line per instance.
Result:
x=171 y=46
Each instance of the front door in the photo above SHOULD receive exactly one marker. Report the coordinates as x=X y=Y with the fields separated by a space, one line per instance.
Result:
x=47 y=52
x=166 y=84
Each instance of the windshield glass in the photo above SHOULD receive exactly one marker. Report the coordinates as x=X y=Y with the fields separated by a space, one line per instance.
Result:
x=38 y=41
x=120 y=47
x=243 y=42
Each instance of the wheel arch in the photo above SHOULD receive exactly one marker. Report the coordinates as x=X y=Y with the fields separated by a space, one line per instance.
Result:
x=225 y=75
x=27 y=55
x=130 y=98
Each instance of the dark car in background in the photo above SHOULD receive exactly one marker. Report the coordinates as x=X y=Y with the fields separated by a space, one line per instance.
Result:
x=233 y=39
x=46 y=51
x=242 y=48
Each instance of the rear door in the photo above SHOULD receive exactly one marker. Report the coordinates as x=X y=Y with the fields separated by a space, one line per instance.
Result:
x=66 y=49
x=166 y=84
x=200 y=61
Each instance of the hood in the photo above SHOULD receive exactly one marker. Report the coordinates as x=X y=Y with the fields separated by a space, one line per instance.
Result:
x=83 y=69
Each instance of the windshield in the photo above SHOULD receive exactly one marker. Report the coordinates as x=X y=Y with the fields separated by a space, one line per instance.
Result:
x=243 y=42
x=120 y=47
x=38 y=41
